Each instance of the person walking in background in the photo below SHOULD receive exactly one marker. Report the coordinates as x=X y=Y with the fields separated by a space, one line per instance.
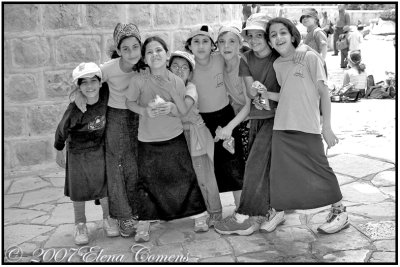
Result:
x=246 y=13
x=326 y=24
x=355 y=39
x=83 y=134
x=255 y=8
x=341 y=19
x=301 y=177
x=344 y=51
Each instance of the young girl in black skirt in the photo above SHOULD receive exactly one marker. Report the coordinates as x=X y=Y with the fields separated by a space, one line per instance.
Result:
x=301 y=177
x=83 y=134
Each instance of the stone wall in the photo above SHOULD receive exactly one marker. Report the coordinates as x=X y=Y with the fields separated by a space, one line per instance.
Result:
x=44 y=42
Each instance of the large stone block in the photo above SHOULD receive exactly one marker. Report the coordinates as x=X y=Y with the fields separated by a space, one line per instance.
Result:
x=31 y=52
x=21 y=87
x=13 y=121
x=21 y=17
x=166 y=15
x=103 y=15
x=77 y=49
x=179 y=40
x=44 y=119
x=7 y=56
x=211 y=13
x=140 y=14
x=191 y=15
x=62 y=16
x=33 y=152
x=58 y=83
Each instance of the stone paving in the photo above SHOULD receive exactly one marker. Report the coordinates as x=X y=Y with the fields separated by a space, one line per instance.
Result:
x=38 y=218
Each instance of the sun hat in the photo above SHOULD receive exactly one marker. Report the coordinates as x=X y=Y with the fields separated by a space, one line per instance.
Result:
x=309 y=12
x=203 y=29
x=86 y=70
x=189 y=57
x=231 y=29
x=257 y=21
x=125 y=30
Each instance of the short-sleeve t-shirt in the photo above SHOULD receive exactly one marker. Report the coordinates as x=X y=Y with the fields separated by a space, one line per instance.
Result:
x=118 y=82
x=193 y=115
x=261 y=69
x=298 y=107
x=315 y=38
x=359 y=80
x=235 y=87
x=210 y=84
x=143 y=88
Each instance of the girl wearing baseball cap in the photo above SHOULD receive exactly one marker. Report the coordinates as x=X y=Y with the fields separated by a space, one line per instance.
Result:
x=83 y=134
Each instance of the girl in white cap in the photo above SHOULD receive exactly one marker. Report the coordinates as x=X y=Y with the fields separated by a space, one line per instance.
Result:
x=83 y=134
x=122 y=128
x=199 y=139
x=216 y=110
x=167 y=181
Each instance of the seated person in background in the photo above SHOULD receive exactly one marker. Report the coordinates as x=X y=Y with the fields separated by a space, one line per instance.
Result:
x=356 y=74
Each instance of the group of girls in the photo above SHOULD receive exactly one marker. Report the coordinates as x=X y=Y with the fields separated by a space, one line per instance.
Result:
x=166 y=129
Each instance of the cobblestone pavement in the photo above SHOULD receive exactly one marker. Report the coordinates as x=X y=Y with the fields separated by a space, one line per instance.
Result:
x=38 y=219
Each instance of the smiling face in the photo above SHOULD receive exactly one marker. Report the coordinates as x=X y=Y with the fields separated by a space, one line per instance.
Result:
x=228 y=45
x=129 y=50
x=201 y=46
x=180 y=67
x=280 y=39
x=256 y=40
x=155 y=55
x=90 y=87
x=308 y=21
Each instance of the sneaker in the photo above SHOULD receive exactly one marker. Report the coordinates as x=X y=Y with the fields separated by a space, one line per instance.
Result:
x=127 y=227
x=337 y=220
x=213 y=219
x=230 y=225
x=81 y=235
x=334 y=54
x=200 y=224
x=110 y=226
x=273 y=220
x=142 y=232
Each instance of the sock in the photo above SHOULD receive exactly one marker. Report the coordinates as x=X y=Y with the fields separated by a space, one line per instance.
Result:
x=241 y=217
x=79 y=211
x=104 y=207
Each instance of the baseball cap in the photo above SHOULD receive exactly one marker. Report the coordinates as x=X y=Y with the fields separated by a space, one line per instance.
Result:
x=257 y=21
x=309 y=12
x=185 y=55
x=203 y=29
x=231 y=29
x=86 y=70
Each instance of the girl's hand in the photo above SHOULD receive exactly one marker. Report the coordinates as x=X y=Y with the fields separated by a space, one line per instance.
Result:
x=60 y=158
x=262 y=90
x=254 y=88
x=329 y=137
x=164 y=108
x=225 y=133
x=151 y=111
x=80 y=101
x=300 y=53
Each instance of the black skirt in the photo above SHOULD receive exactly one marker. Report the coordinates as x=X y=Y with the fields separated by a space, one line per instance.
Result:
x=167 y=183
x=301 y=177
x=85 y=177
x=229 y=168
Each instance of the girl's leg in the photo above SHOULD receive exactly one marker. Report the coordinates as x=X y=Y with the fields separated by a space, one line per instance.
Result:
x=236 y=196
x=81 y=235
x=110 y=225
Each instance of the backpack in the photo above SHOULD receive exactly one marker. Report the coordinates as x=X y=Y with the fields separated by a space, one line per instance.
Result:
x=342 y=42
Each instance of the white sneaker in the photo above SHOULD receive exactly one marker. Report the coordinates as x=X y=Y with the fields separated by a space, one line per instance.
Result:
x=273 y=220
x=142 y=232
x=81 y=235
x=110 y=226
x=337 y=220
x=200 y=224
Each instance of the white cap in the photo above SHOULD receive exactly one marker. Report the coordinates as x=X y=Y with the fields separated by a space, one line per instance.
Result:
x=185 y=55
x=86 y=70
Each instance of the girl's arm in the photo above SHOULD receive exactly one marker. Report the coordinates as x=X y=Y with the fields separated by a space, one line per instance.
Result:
x=144 y=111
x=301 y=51
x=329 y=136
x=248 y=82
x=226 y=131
x=346 y=78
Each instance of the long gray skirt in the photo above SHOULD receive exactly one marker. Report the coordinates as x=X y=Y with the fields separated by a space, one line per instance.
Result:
x=167 y=182
x=301 y=177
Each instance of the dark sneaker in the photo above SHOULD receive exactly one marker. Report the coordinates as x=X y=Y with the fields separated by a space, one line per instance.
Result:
x=127 y=227
x=213 y=219
x=230 y=225
x=337 y=220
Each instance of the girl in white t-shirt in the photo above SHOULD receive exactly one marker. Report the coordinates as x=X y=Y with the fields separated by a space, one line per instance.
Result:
x=356 y=75
x=301 y=177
